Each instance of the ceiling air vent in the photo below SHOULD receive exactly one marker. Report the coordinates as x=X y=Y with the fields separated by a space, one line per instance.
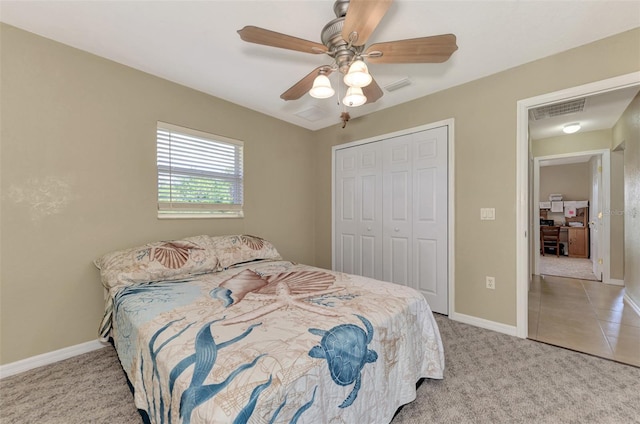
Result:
x=557 y=109
x=312 y=114
x=397 y=85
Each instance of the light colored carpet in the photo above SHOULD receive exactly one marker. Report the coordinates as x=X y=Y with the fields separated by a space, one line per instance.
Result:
x=489 y=378
x=565 y=266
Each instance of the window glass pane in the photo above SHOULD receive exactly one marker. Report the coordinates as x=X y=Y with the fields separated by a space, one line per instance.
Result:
x=199 y=174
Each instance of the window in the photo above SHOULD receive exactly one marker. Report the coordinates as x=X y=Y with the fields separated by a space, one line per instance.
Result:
x=199 y=174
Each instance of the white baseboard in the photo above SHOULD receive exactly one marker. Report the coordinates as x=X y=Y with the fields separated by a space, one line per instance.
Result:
x=615 y=282
x=484 y=323
x=49 y=358
x=631 y=303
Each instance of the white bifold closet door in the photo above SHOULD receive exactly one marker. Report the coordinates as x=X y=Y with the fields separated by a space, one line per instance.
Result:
x=358 y=214
x=391 y=212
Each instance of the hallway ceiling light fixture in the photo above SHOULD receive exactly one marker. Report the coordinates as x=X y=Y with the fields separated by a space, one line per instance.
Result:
x=571 y=128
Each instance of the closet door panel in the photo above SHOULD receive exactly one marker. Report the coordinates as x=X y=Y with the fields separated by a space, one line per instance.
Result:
x=425 y=195
x=347 y=253
x=397 y=212
x=358 y=212
x=369 y=231
x=426 y=266
x=345 y=211
x=430 y=216
x=368 y=256
x=348 y=204
x=400 y=196
x=398 y=260
x=370 y=211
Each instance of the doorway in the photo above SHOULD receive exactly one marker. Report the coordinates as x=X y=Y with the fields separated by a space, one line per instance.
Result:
x=584 y=179
x=524 y=171
x=592 y=311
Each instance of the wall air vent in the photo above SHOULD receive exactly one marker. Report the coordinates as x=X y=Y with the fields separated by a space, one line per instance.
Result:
x=557 y=109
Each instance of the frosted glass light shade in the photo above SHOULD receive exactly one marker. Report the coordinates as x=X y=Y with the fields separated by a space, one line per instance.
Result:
x=358 y=75
x=354 y=97
x=571 y=128
x=321 y=88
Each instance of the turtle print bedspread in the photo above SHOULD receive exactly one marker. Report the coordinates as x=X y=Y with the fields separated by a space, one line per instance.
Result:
x=274 y=342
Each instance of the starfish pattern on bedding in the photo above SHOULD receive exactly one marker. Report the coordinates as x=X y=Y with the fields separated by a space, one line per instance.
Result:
x=282 y=299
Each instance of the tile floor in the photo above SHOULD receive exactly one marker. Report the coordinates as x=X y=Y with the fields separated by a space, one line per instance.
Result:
x=587 y=316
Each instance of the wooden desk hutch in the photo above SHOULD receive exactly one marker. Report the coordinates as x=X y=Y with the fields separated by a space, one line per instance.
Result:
x=576 y=237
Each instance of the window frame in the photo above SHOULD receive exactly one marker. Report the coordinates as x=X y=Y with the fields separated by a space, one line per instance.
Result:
x=198 y=210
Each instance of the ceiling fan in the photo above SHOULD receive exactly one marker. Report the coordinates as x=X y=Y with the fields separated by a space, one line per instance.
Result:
x=344 y=39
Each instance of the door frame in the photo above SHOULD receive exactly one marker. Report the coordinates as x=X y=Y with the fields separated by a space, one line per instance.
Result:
x=450 y=195
x=604 y=240
x=522 y=180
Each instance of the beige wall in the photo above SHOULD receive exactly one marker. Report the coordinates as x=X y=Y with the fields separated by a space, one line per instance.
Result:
x=616 y=215
x=78 y=179
x=572 y=143
x=573 y=181
x=485 y=161
x=627 y=131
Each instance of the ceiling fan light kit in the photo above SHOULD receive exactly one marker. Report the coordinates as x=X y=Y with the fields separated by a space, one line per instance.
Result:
x=344 y=39
x=358 y=75
x=354 y=97
x=321 y=87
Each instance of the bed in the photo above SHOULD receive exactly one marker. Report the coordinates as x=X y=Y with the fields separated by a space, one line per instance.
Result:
x=223 y=330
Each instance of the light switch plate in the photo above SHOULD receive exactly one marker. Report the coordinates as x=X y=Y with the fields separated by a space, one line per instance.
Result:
x=488 y=214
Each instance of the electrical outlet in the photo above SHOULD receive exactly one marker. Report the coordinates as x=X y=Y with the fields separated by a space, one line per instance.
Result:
x=491 y=283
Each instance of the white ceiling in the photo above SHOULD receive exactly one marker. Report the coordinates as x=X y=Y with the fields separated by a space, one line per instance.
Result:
x=601 y=111
x=195 y=43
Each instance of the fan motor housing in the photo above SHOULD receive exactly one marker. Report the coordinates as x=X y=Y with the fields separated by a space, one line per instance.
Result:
x=338 y=48
x=340 y=8
x=331 y=34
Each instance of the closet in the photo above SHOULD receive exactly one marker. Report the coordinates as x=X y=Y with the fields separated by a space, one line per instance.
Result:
x=390 y=211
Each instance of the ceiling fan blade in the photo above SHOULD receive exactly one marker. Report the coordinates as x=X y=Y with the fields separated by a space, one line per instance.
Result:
x=363 y=16
x=435 y=49
x=253 y=34
x=372 y=92
x=300 y=88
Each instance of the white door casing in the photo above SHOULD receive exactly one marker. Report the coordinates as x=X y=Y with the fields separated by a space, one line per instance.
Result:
x=595 y=217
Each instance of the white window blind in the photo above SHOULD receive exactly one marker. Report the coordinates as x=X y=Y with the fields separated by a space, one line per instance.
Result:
x=199 y=174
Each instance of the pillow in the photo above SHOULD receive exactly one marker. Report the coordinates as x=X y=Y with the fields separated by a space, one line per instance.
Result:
x=171 y=260
x=163 y=260
x=236 y=250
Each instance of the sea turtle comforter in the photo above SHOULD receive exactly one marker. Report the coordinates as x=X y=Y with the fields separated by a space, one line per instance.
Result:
x=273 y=342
